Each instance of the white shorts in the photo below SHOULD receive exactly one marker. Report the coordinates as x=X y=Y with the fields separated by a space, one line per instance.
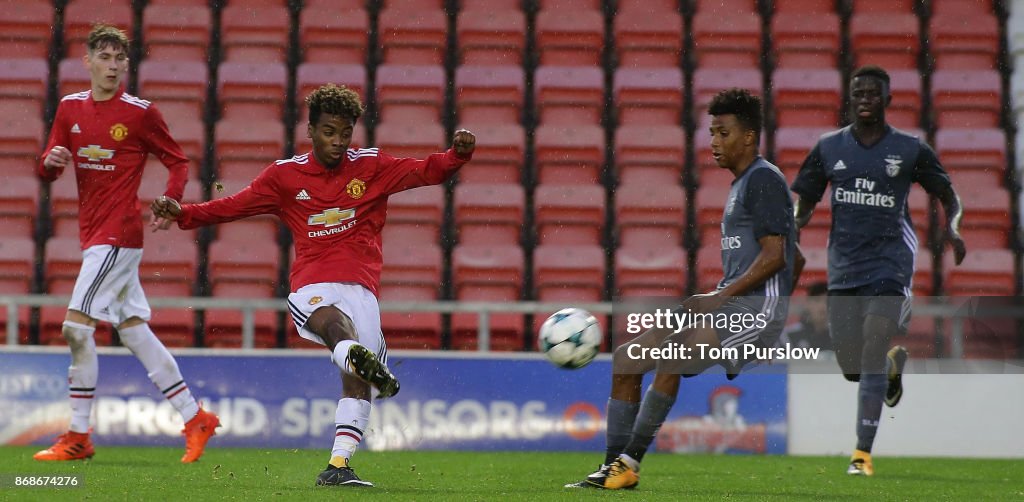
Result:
x=108 y=286
x=354 y=300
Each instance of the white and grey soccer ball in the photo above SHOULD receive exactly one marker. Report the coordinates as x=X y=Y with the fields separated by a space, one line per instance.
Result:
x=570 y=338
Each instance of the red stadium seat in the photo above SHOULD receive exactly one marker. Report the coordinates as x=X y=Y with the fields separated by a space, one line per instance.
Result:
x=174 y=326
x=410 y=93
x=224 y=327
x=570 y=5
x=411 y=140
x=489 y=94
x=807 y=97
x=569 y=95
x=710 y=81
x=170 y=83
x=154 y=184
x=570 y=214
x=735 y=44
x=649 y=95
x=650 y=271
x=245 y=148
x=886 y=6
x=976 y=149
x=804 y=39
x=187 y=129
x=654 y=6
x=570 y=37
x=17 y=263
x=413 y=35
x=923 y=267
x=964 y=41
x=489 y=213
x=310 y=76
x=491 y=274
x=650 y=154
x=21 y=139
x=63 y=261
x=243 y=268
x=569 y=154
x=415 y=216
x=491 y=36
x=792 y=144
x=498 y=157
x=169 y=263
x=816 y=267
x=64 y=208
x=411 y=274
x=251 y=91
x=332 y=35
x=26 y=27
x=176 y=32
x=646 y=37
x=254 y=34
x=984 y=272
x=650 y=214
x=888 y=39
x=23 y=85
x=18 y=204
x=569 y=273
x=79 y=16
x=710 y=205
x=905 y=110
x=967 y=98
x=987 y=204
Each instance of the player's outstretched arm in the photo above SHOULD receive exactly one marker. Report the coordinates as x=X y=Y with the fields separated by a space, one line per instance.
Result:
x=954 y=213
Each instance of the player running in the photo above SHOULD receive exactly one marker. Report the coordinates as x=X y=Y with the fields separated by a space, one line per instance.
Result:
x=334 y=201
x=105 y=135
x=872 y=244
x=759 y=259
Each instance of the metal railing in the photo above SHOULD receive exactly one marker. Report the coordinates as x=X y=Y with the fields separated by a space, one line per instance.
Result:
x=951 y=309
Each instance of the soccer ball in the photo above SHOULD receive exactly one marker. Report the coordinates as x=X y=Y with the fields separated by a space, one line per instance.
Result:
x=570 y=338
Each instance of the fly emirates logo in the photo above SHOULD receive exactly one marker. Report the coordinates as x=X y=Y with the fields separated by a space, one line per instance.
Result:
x=864 y=194
x=334 y=220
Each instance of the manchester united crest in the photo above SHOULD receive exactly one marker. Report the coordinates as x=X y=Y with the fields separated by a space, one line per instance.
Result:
x=315 y=300
x=118 y=131
x=356 y=188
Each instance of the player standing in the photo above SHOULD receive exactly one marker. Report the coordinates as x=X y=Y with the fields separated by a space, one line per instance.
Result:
x=872 y=244
x=334 y=201
x=759 y=261
x=105 y=135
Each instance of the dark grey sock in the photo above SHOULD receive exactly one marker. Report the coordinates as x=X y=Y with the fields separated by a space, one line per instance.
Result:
x=869 y=409
x=621 y=416
x=653 y=410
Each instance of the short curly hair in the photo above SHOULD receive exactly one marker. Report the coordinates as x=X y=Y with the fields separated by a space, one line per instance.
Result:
x=105 y=35
x=335 y=100
x=741 y=103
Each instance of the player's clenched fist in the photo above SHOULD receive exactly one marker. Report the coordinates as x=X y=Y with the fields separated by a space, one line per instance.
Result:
x=464 y=142
x=165 y=210
x=58 y=158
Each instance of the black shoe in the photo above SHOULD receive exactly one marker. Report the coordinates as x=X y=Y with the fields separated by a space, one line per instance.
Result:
x=340 y=476
x=593 y=480
x=367 y=367
x=897 y=357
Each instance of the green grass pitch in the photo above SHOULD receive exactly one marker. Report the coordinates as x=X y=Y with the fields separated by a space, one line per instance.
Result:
x=140 y=474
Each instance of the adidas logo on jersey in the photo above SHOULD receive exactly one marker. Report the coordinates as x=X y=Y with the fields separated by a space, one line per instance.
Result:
x=75 y=129
x=302 y=195
x=839 y=166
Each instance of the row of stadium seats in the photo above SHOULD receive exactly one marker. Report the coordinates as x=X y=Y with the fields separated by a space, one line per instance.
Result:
x=573 y=181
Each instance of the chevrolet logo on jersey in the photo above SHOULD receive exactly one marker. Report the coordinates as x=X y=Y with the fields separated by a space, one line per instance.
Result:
x=332 y=217
x=94 y=153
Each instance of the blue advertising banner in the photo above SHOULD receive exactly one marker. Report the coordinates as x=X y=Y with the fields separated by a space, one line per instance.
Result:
x=449 y=401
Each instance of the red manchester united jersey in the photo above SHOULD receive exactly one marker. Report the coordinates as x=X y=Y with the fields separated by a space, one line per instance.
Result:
x=109 y=141
x=335 y=215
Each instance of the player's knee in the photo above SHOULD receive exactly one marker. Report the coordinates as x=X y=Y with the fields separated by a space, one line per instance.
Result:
x=77 y=336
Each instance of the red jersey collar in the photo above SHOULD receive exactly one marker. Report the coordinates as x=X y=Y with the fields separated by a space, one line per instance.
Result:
x=313 y=166
x=117 y=95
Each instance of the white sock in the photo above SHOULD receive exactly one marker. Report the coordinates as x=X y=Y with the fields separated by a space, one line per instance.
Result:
x=350 y=421
x=162 y=368
x=82 y=374
x=340 y=355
